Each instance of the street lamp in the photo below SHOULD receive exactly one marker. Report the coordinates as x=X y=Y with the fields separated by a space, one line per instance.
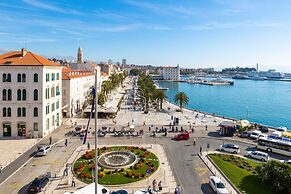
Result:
x=96 y=126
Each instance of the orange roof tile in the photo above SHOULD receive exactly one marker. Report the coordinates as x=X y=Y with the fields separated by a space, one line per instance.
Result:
x=69 y=73
x=15 y=58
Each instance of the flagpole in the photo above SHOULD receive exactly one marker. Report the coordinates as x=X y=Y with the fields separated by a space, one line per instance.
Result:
x=96 y=129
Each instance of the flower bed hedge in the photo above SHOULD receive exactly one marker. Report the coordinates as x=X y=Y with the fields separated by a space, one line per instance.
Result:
x=84 y=167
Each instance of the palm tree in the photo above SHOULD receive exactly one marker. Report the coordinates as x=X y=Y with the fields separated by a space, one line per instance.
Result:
x=182 y=99
x=106 y=87
x=160 y=96
x=101 y=98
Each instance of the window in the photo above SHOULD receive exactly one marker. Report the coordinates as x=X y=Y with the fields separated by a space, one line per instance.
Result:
x=47 y=109
x=35 y=77
x=47 y=93
x=8 y=112
x=53 y=121
x=47 y=77
x=35 y=126
x=58 y=90
x=57 y=105
x=23 y=112
x=4 y=95
x=23 y=77
x=4 y=77
x=8 y=79
x=53 y=77
x=35 y=95
x=18 y=94
x=58 y=76
x=53 y=107
x=19 y=77
x=35 y=112
x=4 y=112
x=9 y=94
x=19 y=112
x=53 y=92
x=47 y=123
x=24 y=94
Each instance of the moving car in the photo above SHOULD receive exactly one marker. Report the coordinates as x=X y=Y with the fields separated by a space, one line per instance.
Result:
x=264 y=157
x=217 y=185
x=43 y=150
x=38 y=184
x=255 y=134
x=181 y=136
x=245 y=134
x=231 y=148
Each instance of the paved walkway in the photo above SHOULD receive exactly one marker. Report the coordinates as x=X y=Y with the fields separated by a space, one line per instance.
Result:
x=19 y=146
x=61 y=184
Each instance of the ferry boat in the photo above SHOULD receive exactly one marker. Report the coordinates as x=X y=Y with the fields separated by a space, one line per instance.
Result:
x=238 y=76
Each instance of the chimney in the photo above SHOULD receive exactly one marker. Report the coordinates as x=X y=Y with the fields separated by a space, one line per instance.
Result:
x=23 y=52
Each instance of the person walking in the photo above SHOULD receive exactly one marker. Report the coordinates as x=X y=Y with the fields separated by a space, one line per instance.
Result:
x=206 y=127
x=66 y=142
x=73 y=182
x=200 y=150
x=50 y=140
x=160 y=186
x=150 y=191
x=179 y=189
x=88 y=146
x=194 y=141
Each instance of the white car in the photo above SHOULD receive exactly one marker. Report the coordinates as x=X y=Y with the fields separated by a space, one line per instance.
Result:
x=255 y=134
x=231 y=148
x=286 y=161
x=43 y=150
x=264 y=157
x=217 y=185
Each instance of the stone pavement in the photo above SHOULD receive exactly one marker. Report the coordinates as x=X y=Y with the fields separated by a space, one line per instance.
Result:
x=62 y=183
x=20 y=146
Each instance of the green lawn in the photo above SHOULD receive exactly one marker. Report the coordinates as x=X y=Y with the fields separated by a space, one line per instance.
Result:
x=241 y=173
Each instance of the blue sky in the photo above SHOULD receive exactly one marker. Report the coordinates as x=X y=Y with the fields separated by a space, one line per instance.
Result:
x=192 y=33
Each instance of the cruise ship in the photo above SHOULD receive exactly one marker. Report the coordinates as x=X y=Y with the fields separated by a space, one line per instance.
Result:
x=270 y=74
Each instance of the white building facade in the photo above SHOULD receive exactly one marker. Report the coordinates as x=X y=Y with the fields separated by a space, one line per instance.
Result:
x=171 y=73
x=77 y=86
x=30 y=95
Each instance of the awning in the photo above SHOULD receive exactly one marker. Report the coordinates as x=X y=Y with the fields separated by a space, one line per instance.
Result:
x=131 y=126
x=90 y=189
x=227 y=124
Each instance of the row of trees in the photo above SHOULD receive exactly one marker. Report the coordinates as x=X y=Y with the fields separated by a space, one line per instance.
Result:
x=114 y=81
x=149 y=94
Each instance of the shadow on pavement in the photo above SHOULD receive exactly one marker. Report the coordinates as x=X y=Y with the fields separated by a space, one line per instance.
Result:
x=213 y=134
x=23 y=190
x=206 y=189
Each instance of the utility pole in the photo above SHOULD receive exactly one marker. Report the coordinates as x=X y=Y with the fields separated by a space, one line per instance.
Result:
x=96 y=129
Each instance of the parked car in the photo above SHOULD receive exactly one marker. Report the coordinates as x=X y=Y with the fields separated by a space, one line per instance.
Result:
x=264 y=129
x=282 y=129
x=264 y=157
x=181 y=136
x=217 y=185
x=231 y=148
x=43 y=150
x=38 y=184
x=245 y=134
x=286 y=161
x=255 y=134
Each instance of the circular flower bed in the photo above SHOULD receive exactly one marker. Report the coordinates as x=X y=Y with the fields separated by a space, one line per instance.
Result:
x=84 y=167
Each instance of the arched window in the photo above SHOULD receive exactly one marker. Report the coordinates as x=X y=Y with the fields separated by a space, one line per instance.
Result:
x=9 y=94
x=19 y=112
x=8 y=77
x=24 y=94
x=35 y=112
x=23 y=77
x=35 y=77
x=8 y=112
x=18 y=94
x=19 y=77
x=35 y=95
x=4 y=77
x=4 y=112
x=4 y=95
x=23 y=112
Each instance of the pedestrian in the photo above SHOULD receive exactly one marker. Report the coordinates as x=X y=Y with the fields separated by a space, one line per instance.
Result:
x=179 y=189
x=88 y=146
x=65 y=172
x=73 y=182
x=66 y=142
x=150 y=191
x=50 y=140
x=154 y=185
x=206 y=127
x=176 y=191
x=160 y=186
x=0 y=169
x=194 y=141
x=200 y=150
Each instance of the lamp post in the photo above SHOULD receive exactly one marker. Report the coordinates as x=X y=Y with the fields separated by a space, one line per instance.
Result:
x=96 y=129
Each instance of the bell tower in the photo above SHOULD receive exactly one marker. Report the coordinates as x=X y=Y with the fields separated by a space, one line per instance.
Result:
x=80 y=56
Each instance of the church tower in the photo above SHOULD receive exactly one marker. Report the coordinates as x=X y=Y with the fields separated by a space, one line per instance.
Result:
x=80 y=56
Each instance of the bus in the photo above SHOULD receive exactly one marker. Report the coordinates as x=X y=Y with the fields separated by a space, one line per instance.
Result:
x=278 y=146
